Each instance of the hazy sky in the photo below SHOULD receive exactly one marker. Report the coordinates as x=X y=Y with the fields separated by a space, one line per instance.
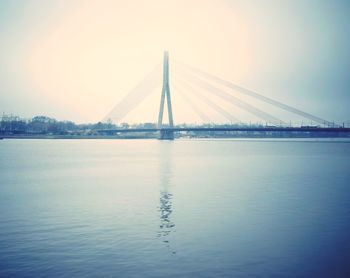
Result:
x=76 y=59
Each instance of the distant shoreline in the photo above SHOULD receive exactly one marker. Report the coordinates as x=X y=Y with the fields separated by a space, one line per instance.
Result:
x=126 y=137
x=70 y=137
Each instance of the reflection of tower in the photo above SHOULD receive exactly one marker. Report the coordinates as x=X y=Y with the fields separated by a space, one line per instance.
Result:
x=166 y=134
x=165 y=209
x=165 y=200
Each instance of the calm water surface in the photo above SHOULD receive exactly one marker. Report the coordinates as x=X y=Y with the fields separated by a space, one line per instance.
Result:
x=148 y=208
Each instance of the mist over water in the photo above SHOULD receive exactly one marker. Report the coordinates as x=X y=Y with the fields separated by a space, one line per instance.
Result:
x=187 y=208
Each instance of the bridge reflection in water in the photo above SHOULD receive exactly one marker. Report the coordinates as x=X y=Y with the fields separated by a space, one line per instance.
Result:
x=165 y=209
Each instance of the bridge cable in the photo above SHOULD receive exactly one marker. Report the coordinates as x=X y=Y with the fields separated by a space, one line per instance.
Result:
x=228 y=97
x=251 y=93
x=206 y=100
x=135 y=96
x=195 y=108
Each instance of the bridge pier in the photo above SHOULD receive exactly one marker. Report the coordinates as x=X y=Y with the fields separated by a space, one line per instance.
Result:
x=166 y=134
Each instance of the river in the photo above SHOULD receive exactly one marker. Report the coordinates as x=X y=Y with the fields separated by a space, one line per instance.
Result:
x=184 y=208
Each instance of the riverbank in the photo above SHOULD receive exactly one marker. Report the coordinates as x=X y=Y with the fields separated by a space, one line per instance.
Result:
x=71 y=137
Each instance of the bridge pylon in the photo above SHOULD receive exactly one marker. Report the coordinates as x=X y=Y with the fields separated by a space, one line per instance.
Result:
x=165 y=133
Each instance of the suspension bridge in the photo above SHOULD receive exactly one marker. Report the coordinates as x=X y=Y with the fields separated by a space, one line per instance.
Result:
x=195 y=81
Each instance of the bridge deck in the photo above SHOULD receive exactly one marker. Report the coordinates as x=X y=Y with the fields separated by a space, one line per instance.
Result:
x=243 y=129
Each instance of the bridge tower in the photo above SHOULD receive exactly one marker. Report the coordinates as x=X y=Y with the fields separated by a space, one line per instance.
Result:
x=165 y=132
